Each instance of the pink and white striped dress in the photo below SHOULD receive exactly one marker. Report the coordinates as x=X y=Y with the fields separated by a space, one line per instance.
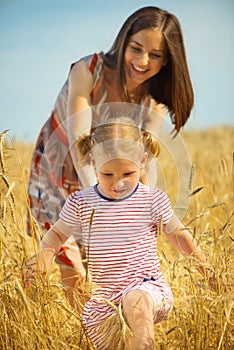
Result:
x=121 y=245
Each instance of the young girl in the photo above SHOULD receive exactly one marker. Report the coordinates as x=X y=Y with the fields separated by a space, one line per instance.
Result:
x=118 y=220
x=145 y=67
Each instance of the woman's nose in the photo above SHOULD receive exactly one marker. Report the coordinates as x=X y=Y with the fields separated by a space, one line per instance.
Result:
x=144 y=59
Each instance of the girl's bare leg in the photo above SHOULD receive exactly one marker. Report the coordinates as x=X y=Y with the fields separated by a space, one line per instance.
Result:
x=138 y=313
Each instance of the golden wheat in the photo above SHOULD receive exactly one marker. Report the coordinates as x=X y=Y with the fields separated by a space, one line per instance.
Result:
x=40 y=317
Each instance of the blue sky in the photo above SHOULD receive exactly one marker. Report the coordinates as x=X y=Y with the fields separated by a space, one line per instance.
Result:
x=39 y=39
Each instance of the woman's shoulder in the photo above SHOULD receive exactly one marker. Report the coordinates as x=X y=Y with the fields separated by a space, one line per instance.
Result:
x=87 y=69
x=87 y=63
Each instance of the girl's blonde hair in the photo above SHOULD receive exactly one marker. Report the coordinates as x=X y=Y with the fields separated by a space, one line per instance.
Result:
x=117 y=137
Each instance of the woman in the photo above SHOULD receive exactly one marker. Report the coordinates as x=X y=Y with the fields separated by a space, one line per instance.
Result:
x=145 y=67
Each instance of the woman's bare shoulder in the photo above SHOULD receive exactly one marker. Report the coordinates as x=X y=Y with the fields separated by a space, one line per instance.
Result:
x=80 y=77
x=80 y=68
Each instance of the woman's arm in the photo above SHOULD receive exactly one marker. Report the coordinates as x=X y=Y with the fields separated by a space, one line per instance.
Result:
x=79 y=121
x=154 y=119
x=153 y=122
x=149 y=176
x=80 y=85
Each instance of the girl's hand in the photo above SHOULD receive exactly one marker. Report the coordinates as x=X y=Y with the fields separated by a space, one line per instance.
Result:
x=35 y=267
x=219 y=284
x=40 y=265
x=29 y=273
x=213 y=282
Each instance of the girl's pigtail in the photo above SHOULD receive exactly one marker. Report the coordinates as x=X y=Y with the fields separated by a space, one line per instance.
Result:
x=84 y=145
x=150 y=143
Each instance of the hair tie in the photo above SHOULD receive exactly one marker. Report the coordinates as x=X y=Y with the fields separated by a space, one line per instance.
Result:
x=140 y=129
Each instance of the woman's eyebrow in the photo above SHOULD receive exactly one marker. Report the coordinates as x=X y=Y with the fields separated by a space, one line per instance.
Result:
x=135 y=42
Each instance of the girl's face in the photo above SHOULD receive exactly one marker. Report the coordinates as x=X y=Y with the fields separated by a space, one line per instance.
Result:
x=117 y=178
x=144 y=57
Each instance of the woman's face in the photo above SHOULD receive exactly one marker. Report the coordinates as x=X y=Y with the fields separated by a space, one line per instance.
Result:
x=144 y=57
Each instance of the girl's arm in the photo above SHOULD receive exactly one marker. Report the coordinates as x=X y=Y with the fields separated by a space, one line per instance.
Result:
x=184 y=242
x=51 y=244
x=79 y=121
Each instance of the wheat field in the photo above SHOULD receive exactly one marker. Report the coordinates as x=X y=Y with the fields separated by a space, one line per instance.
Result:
x=40 y=317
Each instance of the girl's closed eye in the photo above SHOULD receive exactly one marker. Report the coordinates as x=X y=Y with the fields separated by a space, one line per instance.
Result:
x=124 y=175
x=129 y=173
x=107 y=174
